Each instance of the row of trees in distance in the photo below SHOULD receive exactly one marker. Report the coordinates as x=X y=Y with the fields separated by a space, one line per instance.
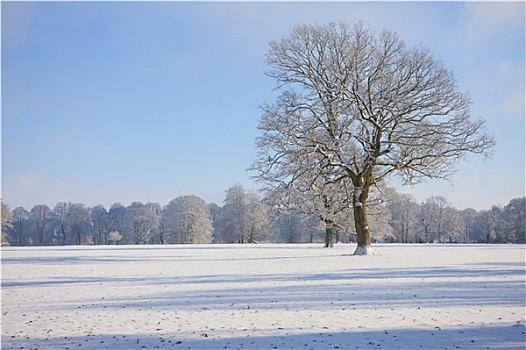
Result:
x=247 y=218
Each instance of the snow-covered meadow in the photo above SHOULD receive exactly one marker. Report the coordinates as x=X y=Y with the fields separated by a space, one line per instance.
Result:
x=264 y=296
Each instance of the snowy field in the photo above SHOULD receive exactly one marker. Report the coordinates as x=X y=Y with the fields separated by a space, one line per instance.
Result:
x=264 y=297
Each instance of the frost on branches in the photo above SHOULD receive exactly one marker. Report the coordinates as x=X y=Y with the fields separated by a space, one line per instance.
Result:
x=359 y=106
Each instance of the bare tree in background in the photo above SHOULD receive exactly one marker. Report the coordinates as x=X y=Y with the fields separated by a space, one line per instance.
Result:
x=365 y=105
x=63 y=221
x=439 y=221
x=320 y=198
x=243 y=218
x=187 y=221
x=99 y=223
x=6 y=222
x=21 y=227
x=404 y=212
x=40 y=216
x=143 y=220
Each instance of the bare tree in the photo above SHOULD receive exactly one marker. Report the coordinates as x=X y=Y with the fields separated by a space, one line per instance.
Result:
x=63 y=220
x=21 y=227
x=143 y=221
x=187 y=220
x=489 y=223
x=364 y=104
x=117 y=222
x=404 y=210
x=114 y=237
x=243 y=218
x=80 y=223
x=427 y=221
x=232 y=224
x=514 y=216
x=6 y=222
x=468 y=216
x=290 y=228
x=379 y=219
x=257 y=218
x=319 y=198
x=439 y=221
x=99 y=222
x=40 y=216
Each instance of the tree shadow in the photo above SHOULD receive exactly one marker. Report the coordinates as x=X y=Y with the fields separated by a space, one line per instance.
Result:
x=510 y=337
x=444 y=288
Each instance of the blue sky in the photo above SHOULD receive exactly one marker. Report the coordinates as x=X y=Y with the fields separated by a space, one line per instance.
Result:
x=106 y=102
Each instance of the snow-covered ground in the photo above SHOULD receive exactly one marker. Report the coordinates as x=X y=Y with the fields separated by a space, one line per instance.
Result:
x=263 y=297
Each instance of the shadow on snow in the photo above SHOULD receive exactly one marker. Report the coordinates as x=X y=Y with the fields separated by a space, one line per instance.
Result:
x=487 y=337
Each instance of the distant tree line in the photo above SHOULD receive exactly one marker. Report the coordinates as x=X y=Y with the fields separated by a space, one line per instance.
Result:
x=247 y=218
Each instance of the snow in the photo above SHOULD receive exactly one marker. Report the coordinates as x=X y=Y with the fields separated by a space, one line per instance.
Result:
x=361 y=250
x=263 y=297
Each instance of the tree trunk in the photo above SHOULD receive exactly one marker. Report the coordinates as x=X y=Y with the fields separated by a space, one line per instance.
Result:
x=363 y=235
x=329 y=240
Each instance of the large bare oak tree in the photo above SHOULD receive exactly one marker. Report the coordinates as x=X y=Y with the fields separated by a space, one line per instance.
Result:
x=361 y=103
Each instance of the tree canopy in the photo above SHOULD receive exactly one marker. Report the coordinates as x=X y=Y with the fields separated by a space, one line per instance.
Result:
x=360 y=105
